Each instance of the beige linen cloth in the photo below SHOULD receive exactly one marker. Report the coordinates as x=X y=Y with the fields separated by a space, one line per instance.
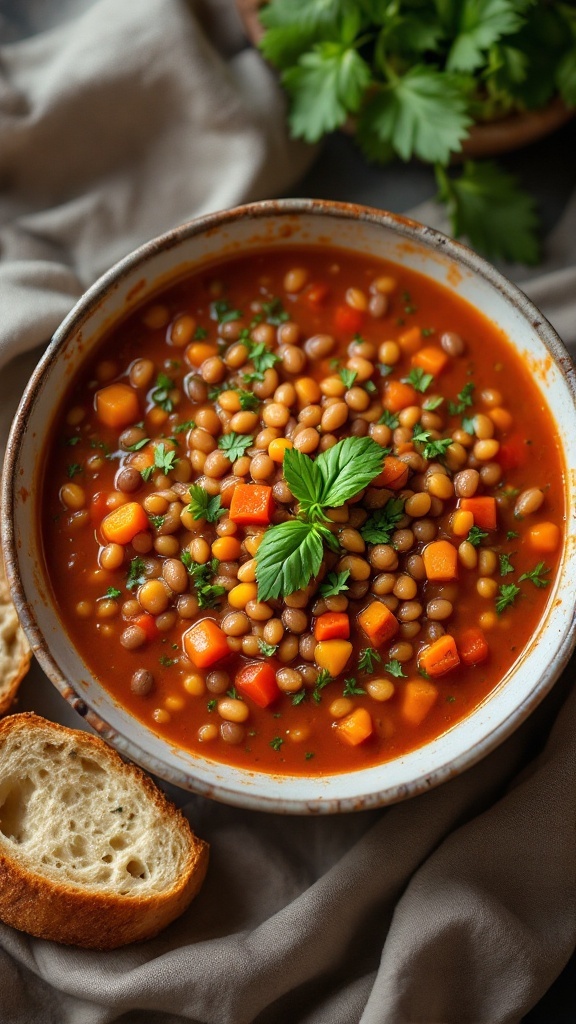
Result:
x=118 y=120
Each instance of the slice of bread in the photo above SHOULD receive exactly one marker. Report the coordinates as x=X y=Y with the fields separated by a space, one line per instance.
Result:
x=15 y=653
x=91 y=853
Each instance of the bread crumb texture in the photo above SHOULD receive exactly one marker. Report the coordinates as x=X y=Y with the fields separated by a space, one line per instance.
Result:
x=76 y=820
x=14 y=648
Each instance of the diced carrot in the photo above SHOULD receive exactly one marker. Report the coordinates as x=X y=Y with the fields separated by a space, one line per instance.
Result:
x=333 y=655
x=513 y=453
x=205 y=643
x=332 y=626
x=472 y=646
x=147 y=622
x=483 y=509
x=121 y=525
x=440 y=561
x=257 y=680
x=394 y=474
x=348 y=320
x=316 y=293
x=355 y=728
x=198 y=351
x=398 y=395
x=411 y=340
x=439 y=657
x=544 y=537
x=431 y=359
x=378 y=622
x=252 y=505
x=117 y=405
x=418 y=699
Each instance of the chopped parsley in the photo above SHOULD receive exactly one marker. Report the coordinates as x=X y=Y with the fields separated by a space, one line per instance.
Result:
x=112 y=592
x=164 y=458
x=276 y=743
x=166 y=661
x=138 y=445
x=395 y=669
x=203 y=506
x=507 y=594
x=536 y=575
x=334 y=584
x=73 y=469
x=381 y=523
x=506 y=566
x=200 y=333
x=202 y=574
x=419 y=379
x=347 y=376
x=223 y=312
x=182 y=427
x=72 y=441
x=476 y=535
x=136 y=573
x=268 y=650
x=157 y=521
x=274 y=312
x=389 y=419
x=212 y=704
x=160 y=394
x=368 y=658
x=351 y=688
x=465 y=400
x=322 y=681
x=434 y=402
x=235 y=445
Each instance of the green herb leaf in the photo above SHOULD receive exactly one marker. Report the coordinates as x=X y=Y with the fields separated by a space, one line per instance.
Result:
x=419 y=380
x=138 y=445
x=166 y=661
x=200 y=333
x=436 y=449
x=351 y=688
x=327 y=84
x=262 y=359
x=268 y=650
x=479 y=26
x=113 y=592
x=506 y=566
x=276 y=743
x=389 y=419
x=235 y=445
x=157 y=521
x=164 y=458
x=476 y=535
x=160 y=394
x=487 y=206
x=537 y=575
x=201 y=574
x=184 y=427
x=136 y=574
x=223 y=312
x=73 y=469
x=395 y=669
x=368 y=658
x=465 y=400
x=432 y=403
x=507 y=594
x=274 y=312
x=381 y=523
x=322 y=681
x=289 y=555
x=248 y=400
x=202 y=506
x=347 y=468
x=347 y=376
x=334 y=584
x=212 y=704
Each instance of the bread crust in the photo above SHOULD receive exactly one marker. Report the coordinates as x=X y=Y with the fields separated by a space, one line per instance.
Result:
x=15 y=653
x=72 y=914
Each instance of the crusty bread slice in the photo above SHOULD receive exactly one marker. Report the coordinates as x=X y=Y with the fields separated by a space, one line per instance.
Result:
x=14 y=649
x=91 y=852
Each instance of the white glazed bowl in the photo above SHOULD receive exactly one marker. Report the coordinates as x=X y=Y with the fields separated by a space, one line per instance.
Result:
x=291 y=222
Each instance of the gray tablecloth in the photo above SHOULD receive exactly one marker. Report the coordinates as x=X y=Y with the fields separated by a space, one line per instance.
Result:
x=117 y=121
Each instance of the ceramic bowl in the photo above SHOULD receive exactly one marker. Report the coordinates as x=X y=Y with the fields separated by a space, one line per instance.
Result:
x=129 y=283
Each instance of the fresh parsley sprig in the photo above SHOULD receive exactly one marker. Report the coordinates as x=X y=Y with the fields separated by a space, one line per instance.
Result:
x=381 y=523
x=202 y=506
x=291 y=552
x=235 y=445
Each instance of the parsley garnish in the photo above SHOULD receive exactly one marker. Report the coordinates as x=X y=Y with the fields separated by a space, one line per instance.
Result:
x=432 y=403
x=465 y=400
x=164 y=458
x=223 y=312
x=208 y=594
x=160 y=394
x=157 y=521
x=72 y=441
x=182 y=427
x=322 y=680
x=536 y=575
x=274 y=312
x=166 y=661
x=297 y=698
x=235 y=445
x=395 y=669
x=113 y=592
x=138 y=445
x=389 y=419
x=233 y=693
x=436 y=449
x=268 y=650
x=262 y=359
x=381 y=523
x=200 y=333
x=291 y=552
x=276 y=743
x=475 y=535
x=248 y=400
x=506 y=566
x=419 y=380
x=351 y=688
x=511 y=535
x=203 y=506
x=507 y=594
x=211 y=705
x=368 y=658
x=334 y=584
x=136 y=573
x=347 y=376
x=73 y=469
x=308 y=755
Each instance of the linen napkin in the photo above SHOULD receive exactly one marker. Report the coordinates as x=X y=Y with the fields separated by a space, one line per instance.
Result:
x=118 y=121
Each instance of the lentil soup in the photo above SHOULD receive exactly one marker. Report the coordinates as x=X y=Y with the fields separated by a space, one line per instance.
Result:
x=303 y=511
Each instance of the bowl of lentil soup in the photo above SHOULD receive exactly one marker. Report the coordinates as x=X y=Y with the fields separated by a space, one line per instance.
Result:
x=286 y=508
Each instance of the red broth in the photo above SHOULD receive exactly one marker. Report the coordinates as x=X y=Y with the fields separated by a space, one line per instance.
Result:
x=441 y=565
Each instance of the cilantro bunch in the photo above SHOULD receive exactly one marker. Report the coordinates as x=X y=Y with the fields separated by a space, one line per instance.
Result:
x=415 y=75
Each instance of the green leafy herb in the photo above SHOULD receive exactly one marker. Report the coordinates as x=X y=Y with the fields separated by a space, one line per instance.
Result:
x=536 y=575
x=166 y=661
x=432 y=403
x=334 y=584
x=384 y=370
x=347 y=376
x=200 y=333
x=322 y=681
x=476 y=536
x=370 y=387
x=506 y=566
x=409 y=306
x=113 y=592
x=136 y=573
x=465 y=400
x=146 y=473
x=160 y=394
x=157 y=521
x=468 y=425
x=235 y=445
x=351 y=688
x=297 y=698
x=276 y=743
x=223 y=312
x=395 y=669
x=308 y=755
x=368 y=658
x=73 y=469
x=507 y=594
x=262 y=359
x=274 y=312
x=436 y=449
x=72 y=441
x=212 y=704
x=138 y=445
x=203 y=506
x=233 y=693
x=248 y=400
x=184 y=427
x=291 y=552
x=419 y=380
x=511 y=534
x=381 y=523
x=389 y=419
x=208 y=594
x=164 y=458
x=268 y=650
